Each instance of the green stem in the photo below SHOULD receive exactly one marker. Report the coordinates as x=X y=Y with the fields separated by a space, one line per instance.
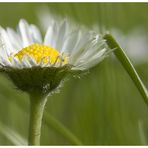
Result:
x=37 y=104
x=126 y=63
x=61 y=129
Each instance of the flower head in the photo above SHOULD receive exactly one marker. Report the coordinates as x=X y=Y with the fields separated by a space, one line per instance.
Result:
x=36 y=64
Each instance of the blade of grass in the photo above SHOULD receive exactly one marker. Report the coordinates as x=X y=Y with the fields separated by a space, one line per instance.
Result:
x=61 y=129
x=12 y=135
x=142 y=135
x=126 y=63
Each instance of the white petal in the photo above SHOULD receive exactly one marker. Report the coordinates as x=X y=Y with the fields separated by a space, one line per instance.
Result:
x=35 y=33
x=84 y=41
x=6 y=42
x=5 y=62
x=3 y=52
x=31 y=61
x=62 y=32
x=16 y=63
x=92 y=61
x=92 y=50
x=70 y=42
x=84 y=38
x=51 y=35
x=14 y=39
x=23 y=29
x=25 y=61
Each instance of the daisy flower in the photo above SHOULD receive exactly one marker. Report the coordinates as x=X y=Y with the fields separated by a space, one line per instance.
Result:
x=39 y=64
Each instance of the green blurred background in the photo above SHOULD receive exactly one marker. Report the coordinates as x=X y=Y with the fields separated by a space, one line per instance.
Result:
x=103 y=107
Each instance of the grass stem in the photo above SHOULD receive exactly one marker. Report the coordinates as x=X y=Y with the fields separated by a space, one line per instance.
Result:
x=126 y=63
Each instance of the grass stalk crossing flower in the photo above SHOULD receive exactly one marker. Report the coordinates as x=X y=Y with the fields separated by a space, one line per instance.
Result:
x=128 y=66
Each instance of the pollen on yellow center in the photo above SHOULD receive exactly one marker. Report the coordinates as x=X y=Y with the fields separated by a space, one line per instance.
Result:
x=41 y=52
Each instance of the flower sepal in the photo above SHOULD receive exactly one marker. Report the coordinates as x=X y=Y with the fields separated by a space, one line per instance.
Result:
x=38 y=79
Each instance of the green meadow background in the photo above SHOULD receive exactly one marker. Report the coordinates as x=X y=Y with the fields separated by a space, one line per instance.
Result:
x=103 y=107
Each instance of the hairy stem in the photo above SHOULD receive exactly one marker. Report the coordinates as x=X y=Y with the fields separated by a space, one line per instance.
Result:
x=126 y=63
x=37 y=104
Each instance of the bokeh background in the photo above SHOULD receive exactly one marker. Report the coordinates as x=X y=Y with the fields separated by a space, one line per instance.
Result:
x=103 y=107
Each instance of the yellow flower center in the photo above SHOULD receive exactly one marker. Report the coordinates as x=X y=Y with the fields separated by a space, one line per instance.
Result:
x=42 y=52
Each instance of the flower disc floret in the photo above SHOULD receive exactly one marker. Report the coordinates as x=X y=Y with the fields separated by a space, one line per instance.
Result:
x=41 y=52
